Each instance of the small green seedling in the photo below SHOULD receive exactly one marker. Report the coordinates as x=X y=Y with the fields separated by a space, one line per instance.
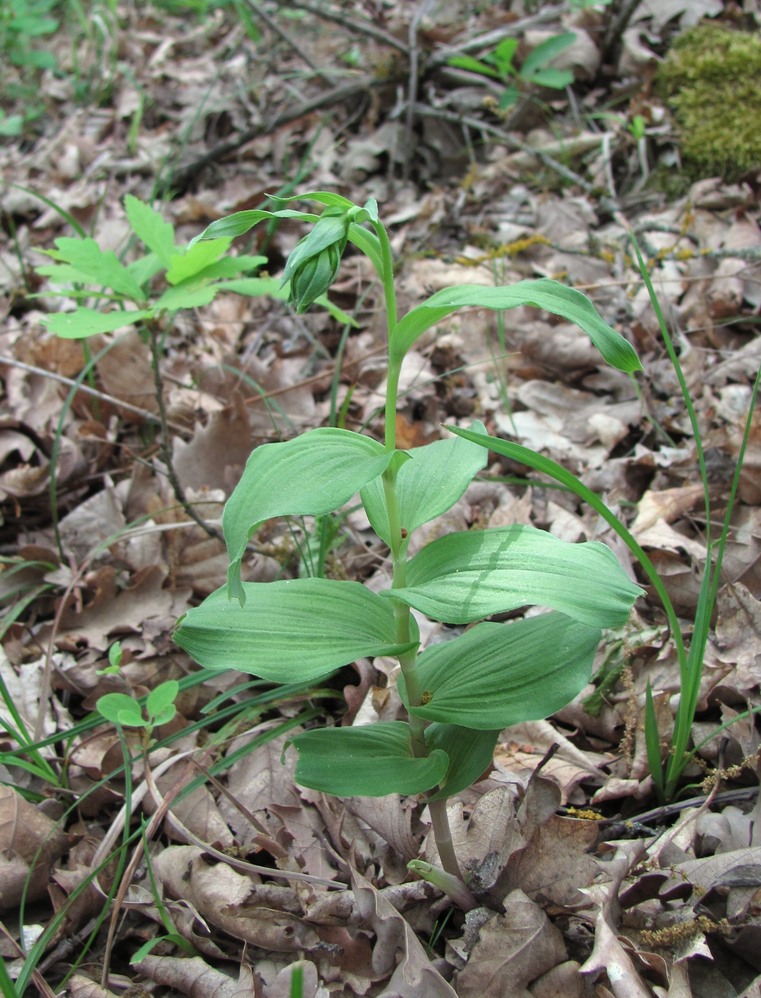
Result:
x=535 y=70
x=126 y=712
x=458 y=694
x=114 y=661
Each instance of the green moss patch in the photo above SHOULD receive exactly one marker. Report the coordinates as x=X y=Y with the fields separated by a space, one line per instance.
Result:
x=710 y=80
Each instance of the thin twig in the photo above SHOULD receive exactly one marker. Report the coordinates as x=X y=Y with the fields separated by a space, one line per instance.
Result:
x=356 y=24
x=413 y=82
x=284 y=36
x=149 y=417
x=180 y=179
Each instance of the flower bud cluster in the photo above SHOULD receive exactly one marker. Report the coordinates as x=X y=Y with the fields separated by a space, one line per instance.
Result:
x=314 y=263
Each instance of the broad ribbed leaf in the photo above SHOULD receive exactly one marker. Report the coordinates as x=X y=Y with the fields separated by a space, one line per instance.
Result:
x=367 y=761
x=470 y=754
x=427 y=485
x=312 y=474
x=289 y=631
x=463 y=577
x=544 y=293
x=495 y=675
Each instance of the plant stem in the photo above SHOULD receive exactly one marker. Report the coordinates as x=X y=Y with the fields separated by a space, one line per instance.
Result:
x=398 y=538
x=443 y=835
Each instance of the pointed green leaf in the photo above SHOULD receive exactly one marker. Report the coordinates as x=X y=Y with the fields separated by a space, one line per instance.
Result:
x=231 y=226
x=290 y=631
x=151 y=228
x=544 y=293
x=329 y=198
x=89 y=264
x=546 y=51
x=495 y=675
x=555 y=79
x=428 y=484
x=195 y=259
x=368 y=761
x=85 y=322
x=470 y=755
x=472 y=65
x=463 y=577
x=312 y=474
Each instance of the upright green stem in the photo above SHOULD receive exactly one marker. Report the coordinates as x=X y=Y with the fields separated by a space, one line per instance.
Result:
x=398 y=536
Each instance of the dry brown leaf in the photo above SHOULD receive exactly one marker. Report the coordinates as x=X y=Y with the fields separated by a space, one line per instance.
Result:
x=513 y=950
x=563 y=979
x=217 y=453
x=281 y=987
x=83 y=987
x=233 y=903
x=556 y=865
x=30 y=842
x=193 y=977
x=113 y=612
x=398 y=952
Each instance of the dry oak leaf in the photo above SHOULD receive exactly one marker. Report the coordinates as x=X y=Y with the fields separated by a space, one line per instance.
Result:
x=230 y=902
x=30 y=843
x=414 y=975
x=513 y=950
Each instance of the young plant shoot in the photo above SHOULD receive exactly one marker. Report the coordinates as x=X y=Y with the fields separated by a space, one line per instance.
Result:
x=459 y=694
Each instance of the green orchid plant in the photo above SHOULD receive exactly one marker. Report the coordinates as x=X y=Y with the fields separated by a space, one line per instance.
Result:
x=459 y=694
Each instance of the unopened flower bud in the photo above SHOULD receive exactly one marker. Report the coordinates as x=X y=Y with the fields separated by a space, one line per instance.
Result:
x=314 y=277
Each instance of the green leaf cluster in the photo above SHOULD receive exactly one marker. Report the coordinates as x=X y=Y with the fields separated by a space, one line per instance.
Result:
x=192 y=276
x=126 y=712
x=535 y=69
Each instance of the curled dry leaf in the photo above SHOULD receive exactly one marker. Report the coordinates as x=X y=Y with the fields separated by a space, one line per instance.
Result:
x=413 y=975
x=30 y=843
x=195 y=978
x=231 y=902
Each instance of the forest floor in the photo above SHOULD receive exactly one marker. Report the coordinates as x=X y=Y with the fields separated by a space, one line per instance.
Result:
x=589 y=884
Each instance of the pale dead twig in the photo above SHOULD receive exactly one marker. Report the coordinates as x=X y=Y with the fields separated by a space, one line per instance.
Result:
x=149 y=417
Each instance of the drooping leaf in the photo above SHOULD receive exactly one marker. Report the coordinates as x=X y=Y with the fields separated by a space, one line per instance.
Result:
x=151 y=228
x=290 y=631
x=428 y=484
x=367 y=761
x=82 y=261
x=470 y=754
x=328 y=198
x=85 y=322
x=312 y=474
x=495 y=675
x=544 y=293
x=465 y=576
